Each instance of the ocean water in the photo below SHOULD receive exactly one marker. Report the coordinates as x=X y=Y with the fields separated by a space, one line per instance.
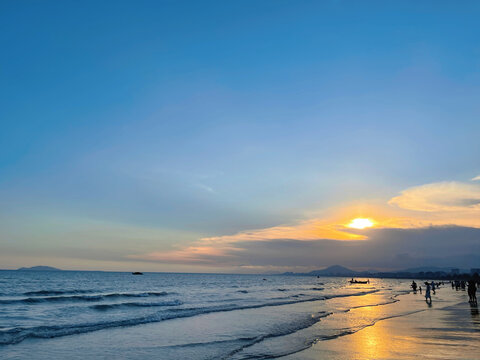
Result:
x=180 y=316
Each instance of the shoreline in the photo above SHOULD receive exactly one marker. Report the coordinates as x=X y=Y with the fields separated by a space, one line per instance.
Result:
x=441 y=331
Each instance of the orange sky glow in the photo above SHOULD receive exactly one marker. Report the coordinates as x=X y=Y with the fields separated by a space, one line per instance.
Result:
x=350 y=222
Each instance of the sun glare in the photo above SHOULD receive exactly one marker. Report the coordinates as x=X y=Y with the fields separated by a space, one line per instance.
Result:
x=360 y=223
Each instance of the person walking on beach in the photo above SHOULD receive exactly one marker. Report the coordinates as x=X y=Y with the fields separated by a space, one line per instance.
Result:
x=414 y=286
x=427 y=293
x=433 y=286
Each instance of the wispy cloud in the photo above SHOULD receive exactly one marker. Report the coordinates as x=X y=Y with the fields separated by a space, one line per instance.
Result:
x=476 y=178
x=440 y=197
x=218 y=249
x=205 y=188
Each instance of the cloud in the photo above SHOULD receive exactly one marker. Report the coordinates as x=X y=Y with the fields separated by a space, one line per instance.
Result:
x=430 y=224
x=312 y=229
x=386 y=249
x=476 y=178
x=440 y=197
x=205 y=188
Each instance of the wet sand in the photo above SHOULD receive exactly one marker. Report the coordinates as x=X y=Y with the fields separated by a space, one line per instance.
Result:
x=448 y=329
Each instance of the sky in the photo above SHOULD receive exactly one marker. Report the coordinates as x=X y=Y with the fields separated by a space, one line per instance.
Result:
x=239 y=136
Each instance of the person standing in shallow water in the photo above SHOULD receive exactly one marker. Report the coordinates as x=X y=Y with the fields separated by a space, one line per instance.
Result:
x=472 y=289
x=427 y=293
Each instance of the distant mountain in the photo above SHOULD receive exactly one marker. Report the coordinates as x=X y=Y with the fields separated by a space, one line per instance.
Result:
x=39 y=268
x=433 y=272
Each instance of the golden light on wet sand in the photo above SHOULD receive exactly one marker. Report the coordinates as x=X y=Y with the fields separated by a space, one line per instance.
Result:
x=361 y=223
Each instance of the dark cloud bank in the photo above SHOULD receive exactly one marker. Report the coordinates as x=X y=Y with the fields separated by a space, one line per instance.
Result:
x=385 y=249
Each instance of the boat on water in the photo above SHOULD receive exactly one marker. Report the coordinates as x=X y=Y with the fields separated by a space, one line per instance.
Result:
x=137 y=273
x=359 y=281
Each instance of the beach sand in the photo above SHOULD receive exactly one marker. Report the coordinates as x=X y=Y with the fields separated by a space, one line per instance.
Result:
x=449 y=329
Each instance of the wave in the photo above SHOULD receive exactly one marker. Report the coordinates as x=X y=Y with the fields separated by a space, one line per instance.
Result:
x=317 y=288
x=361 y=293
x=392 y=301
x=144 y=294
x=242 y=291
x=105 y=307
x=274 y=353
x=283 y=330
x=56 y=292
x=361 y=327
x=81 y=298
x=16 y=335
x=214 y=342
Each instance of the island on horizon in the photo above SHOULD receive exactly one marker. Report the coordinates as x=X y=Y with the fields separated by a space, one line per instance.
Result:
x=39 y=268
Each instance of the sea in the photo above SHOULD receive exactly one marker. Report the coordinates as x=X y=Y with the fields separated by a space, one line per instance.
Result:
x=87 y=314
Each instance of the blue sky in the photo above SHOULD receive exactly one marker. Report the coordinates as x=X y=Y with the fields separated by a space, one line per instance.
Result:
x=137 y=128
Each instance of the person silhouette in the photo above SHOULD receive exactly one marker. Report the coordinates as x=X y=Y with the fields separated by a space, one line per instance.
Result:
x=472 y=290
x=427 y=293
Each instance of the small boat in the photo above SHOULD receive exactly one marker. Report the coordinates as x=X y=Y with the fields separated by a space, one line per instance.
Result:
x=137 y=273
x=359 y=282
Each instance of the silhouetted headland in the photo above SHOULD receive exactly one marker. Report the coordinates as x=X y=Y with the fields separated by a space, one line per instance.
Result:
x=341 y=271
x=39 y=268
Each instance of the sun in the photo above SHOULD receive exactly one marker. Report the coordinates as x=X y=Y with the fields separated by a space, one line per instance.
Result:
x=360 y=223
